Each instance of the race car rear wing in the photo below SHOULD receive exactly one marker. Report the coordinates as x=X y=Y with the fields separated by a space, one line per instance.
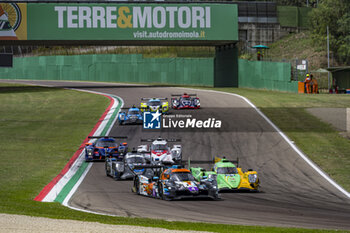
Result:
x=155 y=98
x=213 y=161
x=160 y=139
x=183 y=94
x=96 y=137
x=148 y=166
x=157 y=169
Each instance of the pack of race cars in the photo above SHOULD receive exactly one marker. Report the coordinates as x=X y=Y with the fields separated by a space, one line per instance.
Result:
x=156 y=166
x=134 y=115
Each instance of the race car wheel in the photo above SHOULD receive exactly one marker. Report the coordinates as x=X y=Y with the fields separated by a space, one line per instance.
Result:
x=216 y=196
x=161 y=191
x=106 y=170
x=136 y=187
x=116 y=176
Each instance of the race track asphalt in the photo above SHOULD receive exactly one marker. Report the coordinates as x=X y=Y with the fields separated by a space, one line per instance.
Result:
x=292 y=193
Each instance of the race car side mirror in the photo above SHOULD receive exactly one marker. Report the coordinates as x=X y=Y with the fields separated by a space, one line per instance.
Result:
x=155 y=178
x=88 y=144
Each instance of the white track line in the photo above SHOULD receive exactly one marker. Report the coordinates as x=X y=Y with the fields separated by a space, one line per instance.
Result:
x=55 y=191
x=98 y=132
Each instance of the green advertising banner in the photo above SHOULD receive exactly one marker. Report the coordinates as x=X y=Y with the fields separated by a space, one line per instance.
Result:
x=57 y=21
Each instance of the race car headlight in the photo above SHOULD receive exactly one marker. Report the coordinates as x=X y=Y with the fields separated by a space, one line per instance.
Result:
x=168 y=183
x=121 y=149
x=176 y=153
x=252 y=178
x=122 y=117
x=120 y=167
x=179 y=187
x=89 y=152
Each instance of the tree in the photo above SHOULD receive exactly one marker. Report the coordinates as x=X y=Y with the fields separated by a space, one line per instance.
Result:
x=334 y=14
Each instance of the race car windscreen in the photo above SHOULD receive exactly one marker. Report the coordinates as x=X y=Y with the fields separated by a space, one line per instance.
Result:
x=186 y=99
x=182 y=176
x=133 y=112
x=104 y=143
x=154 y=103
x=159 y=147
x=136 y=160
x=227 y=170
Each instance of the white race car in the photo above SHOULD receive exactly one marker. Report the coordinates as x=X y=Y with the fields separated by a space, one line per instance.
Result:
x=160 y=151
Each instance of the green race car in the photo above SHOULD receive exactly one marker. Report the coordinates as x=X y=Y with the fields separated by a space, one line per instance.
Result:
x=229 y=176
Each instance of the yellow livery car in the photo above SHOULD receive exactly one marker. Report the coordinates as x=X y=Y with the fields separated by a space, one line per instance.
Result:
x=154 y=105
x=229 y=176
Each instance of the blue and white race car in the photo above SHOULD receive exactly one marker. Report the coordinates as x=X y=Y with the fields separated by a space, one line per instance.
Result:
x=105 y=146
x=132 y=117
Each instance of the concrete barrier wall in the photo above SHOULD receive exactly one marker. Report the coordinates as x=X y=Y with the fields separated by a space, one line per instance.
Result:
x=266 y=75
x=114 y=68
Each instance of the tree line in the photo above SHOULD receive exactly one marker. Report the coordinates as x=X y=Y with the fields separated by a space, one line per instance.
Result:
x=336 y=15
x=332 y=13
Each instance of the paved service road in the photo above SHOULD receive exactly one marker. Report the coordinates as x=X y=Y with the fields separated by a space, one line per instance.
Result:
x=293 y=194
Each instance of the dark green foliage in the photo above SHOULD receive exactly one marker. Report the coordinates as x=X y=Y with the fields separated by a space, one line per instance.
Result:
x=334 y=14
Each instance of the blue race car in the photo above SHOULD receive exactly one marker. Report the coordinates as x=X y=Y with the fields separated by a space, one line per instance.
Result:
x=132 y=117
x=105 y=146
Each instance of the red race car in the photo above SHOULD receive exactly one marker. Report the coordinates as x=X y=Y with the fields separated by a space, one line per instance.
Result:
x=185 y=101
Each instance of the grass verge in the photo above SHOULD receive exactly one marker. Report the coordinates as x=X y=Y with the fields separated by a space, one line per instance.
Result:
x=40 y=129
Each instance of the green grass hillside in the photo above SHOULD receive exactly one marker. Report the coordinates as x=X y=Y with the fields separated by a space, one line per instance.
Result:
x=301 y=46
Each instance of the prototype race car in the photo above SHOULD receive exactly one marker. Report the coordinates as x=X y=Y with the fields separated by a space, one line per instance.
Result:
x=124 y=168
x=104 y=146
x=160 y=151
x=154 y=105
x=133 y=116
x=185 y=101
x=174 y=183
x=229 y=176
